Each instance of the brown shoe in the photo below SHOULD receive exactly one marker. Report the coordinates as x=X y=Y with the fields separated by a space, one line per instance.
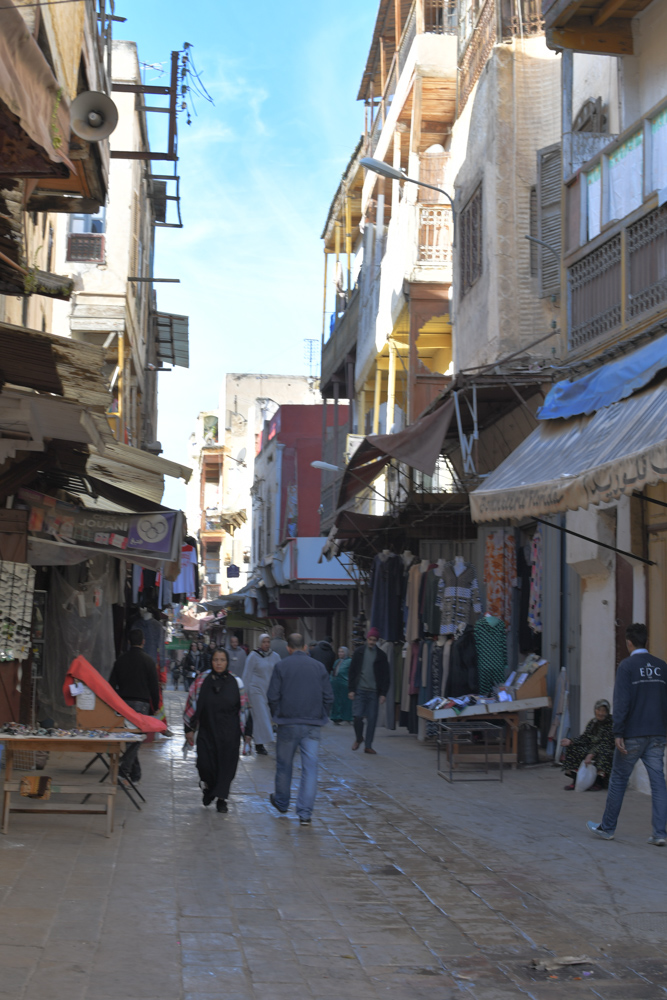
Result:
x=370 y=750
x=356 y=745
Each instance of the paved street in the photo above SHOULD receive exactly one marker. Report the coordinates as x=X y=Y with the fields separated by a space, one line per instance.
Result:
x=404 y=888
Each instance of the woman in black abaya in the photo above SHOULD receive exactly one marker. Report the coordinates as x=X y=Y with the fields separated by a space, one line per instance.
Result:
x=215 y=712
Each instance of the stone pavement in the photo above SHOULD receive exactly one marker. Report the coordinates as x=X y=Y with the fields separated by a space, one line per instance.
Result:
x=404 y=888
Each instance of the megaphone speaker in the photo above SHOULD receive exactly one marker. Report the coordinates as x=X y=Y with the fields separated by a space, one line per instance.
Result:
x=93 y=116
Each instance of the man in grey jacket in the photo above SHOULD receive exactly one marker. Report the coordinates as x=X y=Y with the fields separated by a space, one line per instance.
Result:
x=300 y=697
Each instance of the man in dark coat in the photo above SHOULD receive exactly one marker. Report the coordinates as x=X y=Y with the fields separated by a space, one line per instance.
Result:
x=134 y=677
x=324 y=652
x=640 y=729
x=368 y=683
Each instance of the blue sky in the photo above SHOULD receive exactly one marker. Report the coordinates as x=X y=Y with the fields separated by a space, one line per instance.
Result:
x=258 y=171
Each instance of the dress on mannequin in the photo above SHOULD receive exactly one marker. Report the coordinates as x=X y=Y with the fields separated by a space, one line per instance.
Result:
x=458 y=598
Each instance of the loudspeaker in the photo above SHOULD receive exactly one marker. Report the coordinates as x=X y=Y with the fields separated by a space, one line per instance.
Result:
x=93 y=116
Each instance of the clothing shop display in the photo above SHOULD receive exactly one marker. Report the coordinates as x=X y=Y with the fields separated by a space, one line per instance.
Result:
x=387 y=591
x=430 y=608
x=463 y=674
x=458 y=598
x=412 y=623
x=500 y=572
x=17 y=584
x=186 y=583
x=535 y=602
x=491 y=642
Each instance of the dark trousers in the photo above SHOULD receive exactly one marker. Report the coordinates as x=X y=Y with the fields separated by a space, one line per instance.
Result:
x=365 y=706
x=129 y=762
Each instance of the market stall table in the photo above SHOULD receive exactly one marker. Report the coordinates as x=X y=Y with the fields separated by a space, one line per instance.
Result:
x=113 y=744
x=505 y=711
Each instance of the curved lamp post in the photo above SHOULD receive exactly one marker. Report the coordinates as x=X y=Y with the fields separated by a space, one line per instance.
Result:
x=394 y=174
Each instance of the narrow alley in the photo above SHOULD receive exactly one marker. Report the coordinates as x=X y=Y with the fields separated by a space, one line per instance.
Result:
x=405 y=887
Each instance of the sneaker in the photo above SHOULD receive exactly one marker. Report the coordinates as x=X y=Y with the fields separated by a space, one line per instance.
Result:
x=656 y=841
x=272 y=800
x=304 y=821
x=602 y=834
x=221 y=806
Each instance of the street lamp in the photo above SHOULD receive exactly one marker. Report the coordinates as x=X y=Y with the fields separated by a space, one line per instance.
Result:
x=394 y=174
x=325 y=466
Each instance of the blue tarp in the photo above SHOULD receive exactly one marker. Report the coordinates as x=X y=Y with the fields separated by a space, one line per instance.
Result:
x=609 y=384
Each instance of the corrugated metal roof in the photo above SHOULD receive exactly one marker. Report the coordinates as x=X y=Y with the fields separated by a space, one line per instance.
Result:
x=587 y=459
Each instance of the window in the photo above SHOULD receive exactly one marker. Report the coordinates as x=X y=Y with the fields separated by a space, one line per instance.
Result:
x=534 y=257
x=549 y=185
x=85 y=242
x=92 y=223
x=470 y=241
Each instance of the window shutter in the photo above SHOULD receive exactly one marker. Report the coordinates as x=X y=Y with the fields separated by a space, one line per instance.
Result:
x=549 y=184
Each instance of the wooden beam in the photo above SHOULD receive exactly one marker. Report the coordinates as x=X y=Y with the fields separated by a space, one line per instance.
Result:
x=582 y=37
x=606 y=11
x=397 y=24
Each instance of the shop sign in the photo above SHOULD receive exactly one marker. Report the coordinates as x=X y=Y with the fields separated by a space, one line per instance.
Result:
x=155 y=534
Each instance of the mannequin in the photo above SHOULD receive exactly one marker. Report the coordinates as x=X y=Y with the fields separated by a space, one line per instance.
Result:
x=440 y=567
x=424 y=565
x=407 y=558
x=459 y=565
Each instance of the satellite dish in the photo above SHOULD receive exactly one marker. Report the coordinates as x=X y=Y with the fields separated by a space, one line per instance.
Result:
x=93 y=116
x=241 y=455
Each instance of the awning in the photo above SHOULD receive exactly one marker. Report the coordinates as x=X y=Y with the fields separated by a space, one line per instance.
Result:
x=30 y=92
x=612 y=382
x=419 y=446
x=589 y=460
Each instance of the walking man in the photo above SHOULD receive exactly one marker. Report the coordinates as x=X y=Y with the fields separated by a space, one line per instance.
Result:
x=368 y=683
x=300 y=697
x=134 y=677
x=640 y=729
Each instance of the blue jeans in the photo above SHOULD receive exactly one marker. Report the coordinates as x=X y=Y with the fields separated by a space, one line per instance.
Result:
x=651 y=750
x=365 y=706
x=307 y=740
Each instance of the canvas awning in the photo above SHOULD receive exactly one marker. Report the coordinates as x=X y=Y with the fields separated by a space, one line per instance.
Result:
x=567 y=464
x=30 y=92
x=418 y=446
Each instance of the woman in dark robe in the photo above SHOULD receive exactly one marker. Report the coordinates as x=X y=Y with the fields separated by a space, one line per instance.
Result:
x=595 y=746
x=215 y=711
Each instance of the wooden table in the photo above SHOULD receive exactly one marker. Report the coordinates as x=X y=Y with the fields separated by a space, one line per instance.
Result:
x=113 y=745
x=506 y=711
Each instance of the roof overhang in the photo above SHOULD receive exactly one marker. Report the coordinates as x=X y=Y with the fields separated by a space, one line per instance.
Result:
x=597 y=26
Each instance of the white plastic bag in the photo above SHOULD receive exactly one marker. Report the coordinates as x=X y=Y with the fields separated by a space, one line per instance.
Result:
x=586 y=776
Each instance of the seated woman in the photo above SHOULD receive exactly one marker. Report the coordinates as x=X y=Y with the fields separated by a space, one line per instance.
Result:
x=595 y=745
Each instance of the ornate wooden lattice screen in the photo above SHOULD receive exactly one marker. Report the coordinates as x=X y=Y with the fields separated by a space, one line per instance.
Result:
x=646 y=243
x=594 y=285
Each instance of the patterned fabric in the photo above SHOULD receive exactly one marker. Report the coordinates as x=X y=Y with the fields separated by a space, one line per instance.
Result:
x=193 y=695
x=535 y=603
x=458 y=599
x=598 y=739
x=491 y=643
x=500 y=573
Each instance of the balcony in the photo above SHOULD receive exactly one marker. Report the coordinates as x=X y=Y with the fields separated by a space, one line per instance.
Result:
x=603 y=26
x=341 y=344
x=616 y=236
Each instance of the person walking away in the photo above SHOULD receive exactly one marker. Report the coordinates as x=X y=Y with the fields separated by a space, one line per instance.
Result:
x=341 y=710
x=368 y=684
x=214 y=715
x=278 y=644
x=323 y=651
x=256 y=678
x=640 y=730
x=237 y=656
x=134 y=677
x=300 y=698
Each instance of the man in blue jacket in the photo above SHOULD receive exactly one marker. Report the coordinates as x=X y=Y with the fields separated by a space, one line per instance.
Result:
x=300 y=696
x=640 y=729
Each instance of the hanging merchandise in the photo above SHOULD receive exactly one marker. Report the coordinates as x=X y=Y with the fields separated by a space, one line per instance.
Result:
x=500 y=572
x=186 y=583
x=17 y=584
x=463 y=675
x=458 y=597
x=491 y=643
x=412 y=630
x=430 y=608
x=535 y=603
x=387 y=589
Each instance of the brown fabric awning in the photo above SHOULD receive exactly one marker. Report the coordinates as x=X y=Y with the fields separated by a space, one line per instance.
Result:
x=30 y=92
x=419 y=446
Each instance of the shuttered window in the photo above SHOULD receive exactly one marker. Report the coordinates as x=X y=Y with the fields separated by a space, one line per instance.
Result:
x=470 y=241
x=549 y=183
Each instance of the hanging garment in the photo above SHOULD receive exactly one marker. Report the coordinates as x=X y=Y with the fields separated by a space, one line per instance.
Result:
x=412 y=625
x=463 y=675
x=387 y=588
x=491 y=643
x=430 y=607
x=458 y=599
x=186 y=581
x=154 y=638
x=446 y=660
x=529 y=640
x=500 y=572
x=535 y=603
